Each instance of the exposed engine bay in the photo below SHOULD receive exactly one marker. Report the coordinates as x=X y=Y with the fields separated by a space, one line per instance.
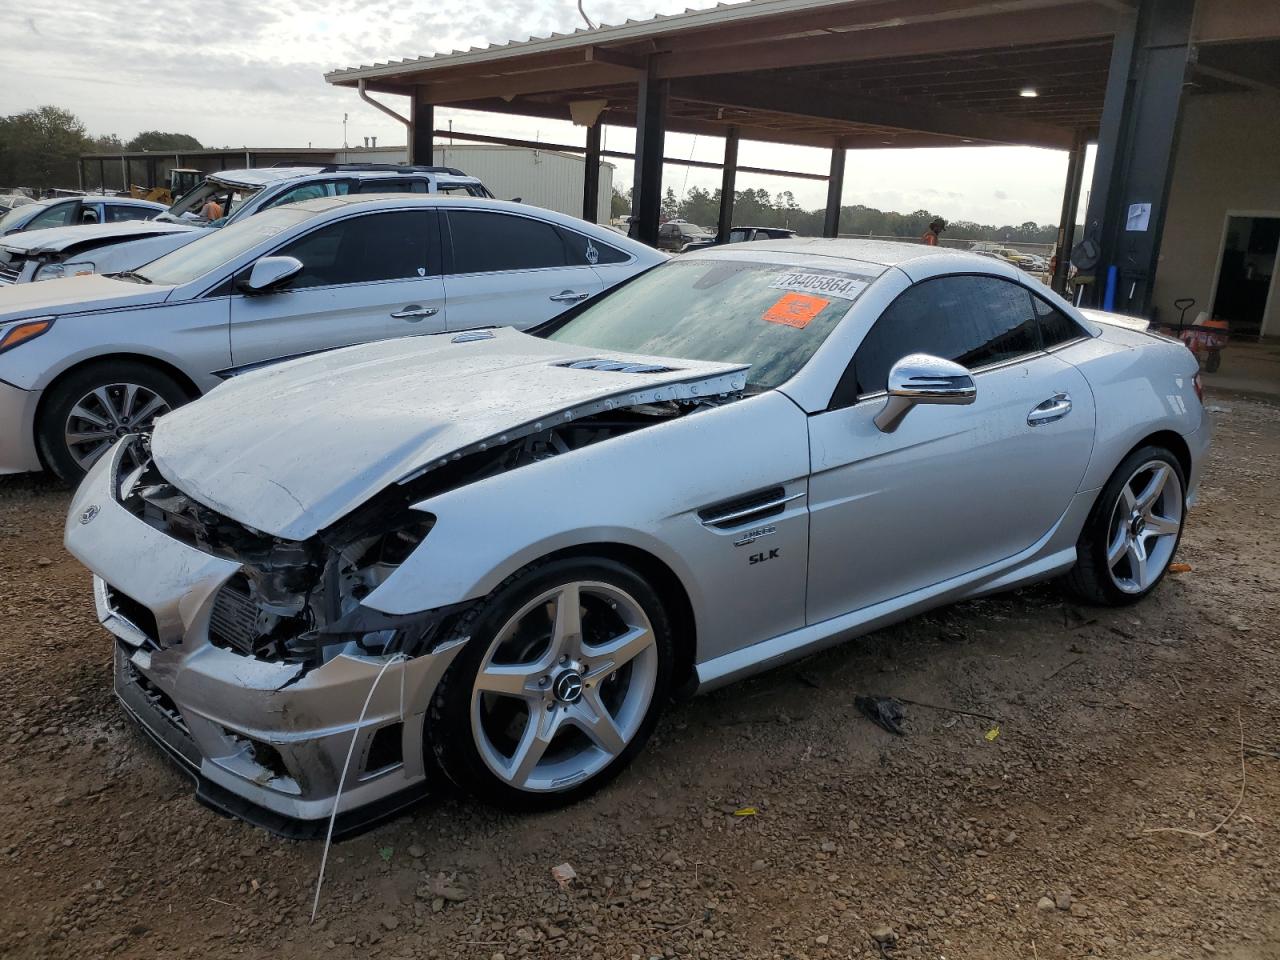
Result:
x=299 y=602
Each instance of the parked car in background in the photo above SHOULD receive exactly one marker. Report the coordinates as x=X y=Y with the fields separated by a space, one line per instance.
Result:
x=741 y=457
x=10 y=200
x=65 y=211
x=115 y=248
x=742 y=235
x=85 y=360
x=987 y=248
x=674 y=235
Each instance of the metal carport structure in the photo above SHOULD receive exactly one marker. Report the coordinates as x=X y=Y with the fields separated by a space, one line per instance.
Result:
x=852 y=74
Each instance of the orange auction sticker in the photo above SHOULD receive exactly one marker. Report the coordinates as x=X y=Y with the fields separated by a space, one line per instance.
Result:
x=795 y=309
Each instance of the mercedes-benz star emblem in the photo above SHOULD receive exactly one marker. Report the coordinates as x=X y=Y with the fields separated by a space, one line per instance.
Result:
x=90 y=512
x=568 y=687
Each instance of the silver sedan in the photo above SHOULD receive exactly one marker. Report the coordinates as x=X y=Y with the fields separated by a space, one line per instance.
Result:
x=86 y=360
x=491 y=557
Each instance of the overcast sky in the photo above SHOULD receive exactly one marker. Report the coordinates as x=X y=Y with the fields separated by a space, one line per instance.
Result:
x=240 y=73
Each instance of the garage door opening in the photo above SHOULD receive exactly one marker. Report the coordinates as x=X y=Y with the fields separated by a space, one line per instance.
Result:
x=1247 y=265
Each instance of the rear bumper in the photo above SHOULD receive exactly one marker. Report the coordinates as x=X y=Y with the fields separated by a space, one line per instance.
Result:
x=263 y=741
x=1198 y=444
x=17 y=429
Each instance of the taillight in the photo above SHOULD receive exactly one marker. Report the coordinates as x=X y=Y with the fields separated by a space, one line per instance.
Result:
x=1199 y=386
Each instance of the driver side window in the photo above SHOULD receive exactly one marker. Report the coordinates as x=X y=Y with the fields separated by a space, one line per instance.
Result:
x=972 y=320
x=397 y=245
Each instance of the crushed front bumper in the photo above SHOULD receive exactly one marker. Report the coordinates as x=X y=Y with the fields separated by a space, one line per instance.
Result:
x=17 y=429
x=266 y=742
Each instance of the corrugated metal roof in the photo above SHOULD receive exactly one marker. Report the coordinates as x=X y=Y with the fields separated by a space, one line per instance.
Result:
x=661 y=24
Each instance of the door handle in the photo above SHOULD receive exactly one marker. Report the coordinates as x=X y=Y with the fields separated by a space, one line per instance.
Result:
x=568 y=296
x=413 y=313
x=1055 y=408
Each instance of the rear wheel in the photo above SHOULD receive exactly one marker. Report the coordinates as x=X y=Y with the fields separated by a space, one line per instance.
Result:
x=92 y=408
x=1133 y=531
x=561 y=684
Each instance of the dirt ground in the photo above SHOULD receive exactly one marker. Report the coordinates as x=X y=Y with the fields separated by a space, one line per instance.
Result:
x=951 y=842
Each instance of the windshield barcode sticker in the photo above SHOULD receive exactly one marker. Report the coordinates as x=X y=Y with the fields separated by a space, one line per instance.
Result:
x=845 y=287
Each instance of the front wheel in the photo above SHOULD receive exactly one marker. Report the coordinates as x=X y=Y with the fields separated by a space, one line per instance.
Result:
x=1133 y=531
x=95 y=406
x=561 y=683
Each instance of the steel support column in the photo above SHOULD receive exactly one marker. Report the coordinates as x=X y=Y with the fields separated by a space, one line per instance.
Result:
x=422 y=123
x=80 y=174
x=591 y=175
x=102 y=175
x=728 y=184
x=646 y=186
x=1136 y=146
x=1070 y=204
x=151 y=172
x=835 y=189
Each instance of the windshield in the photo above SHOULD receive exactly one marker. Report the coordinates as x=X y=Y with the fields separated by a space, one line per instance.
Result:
x=194 y=207
x=218 y=248
x=770 y=315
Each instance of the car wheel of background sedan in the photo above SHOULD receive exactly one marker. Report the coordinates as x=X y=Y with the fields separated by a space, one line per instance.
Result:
x=1133 y=531
x=567 y=669
x=94 y=407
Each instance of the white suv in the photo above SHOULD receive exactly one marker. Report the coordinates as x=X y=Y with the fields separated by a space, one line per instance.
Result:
x=119 y=247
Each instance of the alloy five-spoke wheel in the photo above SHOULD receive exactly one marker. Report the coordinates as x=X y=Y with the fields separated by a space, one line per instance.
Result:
x=564 y=686
x=106 y=414
x=1133 y=530
x=560 y=685
x=1145 y=525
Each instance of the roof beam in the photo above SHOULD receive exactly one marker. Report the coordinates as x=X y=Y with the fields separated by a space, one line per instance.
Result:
x=1224 y=20
x=553 y=80
x=1022 y=27
x=829 y=104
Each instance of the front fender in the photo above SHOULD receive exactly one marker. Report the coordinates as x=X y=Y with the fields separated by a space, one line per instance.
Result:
x=643 y=490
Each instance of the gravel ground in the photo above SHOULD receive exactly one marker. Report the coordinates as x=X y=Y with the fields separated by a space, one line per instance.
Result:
x=953 y=841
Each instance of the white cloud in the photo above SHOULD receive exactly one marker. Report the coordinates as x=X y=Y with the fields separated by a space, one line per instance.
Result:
x=235 y=73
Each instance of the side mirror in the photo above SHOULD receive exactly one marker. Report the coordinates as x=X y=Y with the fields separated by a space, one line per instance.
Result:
x=921 y=378
x=271 y=274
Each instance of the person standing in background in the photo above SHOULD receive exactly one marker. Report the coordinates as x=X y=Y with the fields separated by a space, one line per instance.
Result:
x=936 y=226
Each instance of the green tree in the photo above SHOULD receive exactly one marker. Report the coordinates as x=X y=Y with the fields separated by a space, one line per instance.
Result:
x=39 y=148
x=156 y=140
x=620 y=203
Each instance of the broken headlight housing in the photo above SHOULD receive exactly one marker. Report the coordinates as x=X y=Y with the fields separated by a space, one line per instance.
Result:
x=295 y=601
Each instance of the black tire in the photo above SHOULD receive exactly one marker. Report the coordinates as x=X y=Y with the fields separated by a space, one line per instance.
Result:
x=1213 y=361
x=1090 y=579
x=449 y=734
x=67 y=392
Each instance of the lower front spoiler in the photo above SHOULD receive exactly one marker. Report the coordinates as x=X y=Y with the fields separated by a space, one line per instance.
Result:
x=166 y=730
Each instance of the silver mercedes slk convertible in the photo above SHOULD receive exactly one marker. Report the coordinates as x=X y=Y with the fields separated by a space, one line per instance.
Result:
x=491 y=556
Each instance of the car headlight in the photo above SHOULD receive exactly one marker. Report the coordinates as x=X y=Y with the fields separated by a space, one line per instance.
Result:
x=55 y=271
x=22 y=331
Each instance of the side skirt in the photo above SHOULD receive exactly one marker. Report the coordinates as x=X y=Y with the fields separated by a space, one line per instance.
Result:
x=1054 y=554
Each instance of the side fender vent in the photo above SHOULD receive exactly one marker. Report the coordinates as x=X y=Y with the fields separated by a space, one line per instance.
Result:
x=747 y=509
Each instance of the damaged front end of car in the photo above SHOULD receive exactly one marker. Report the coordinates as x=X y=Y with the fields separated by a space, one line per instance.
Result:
x=252 y=661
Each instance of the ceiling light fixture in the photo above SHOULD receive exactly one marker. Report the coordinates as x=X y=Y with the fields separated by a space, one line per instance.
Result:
x=1028 y=92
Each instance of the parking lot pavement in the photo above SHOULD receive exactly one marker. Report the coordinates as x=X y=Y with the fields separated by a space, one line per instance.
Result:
x=955 y=840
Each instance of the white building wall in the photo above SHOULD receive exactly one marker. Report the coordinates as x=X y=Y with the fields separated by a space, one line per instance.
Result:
x=1226 y=161
x=544 y=178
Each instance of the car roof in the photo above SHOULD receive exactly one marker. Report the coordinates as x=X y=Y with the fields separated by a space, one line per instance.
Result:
x=319 y=204
x=860 y=256
x=132 y=202
x=261 y=176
